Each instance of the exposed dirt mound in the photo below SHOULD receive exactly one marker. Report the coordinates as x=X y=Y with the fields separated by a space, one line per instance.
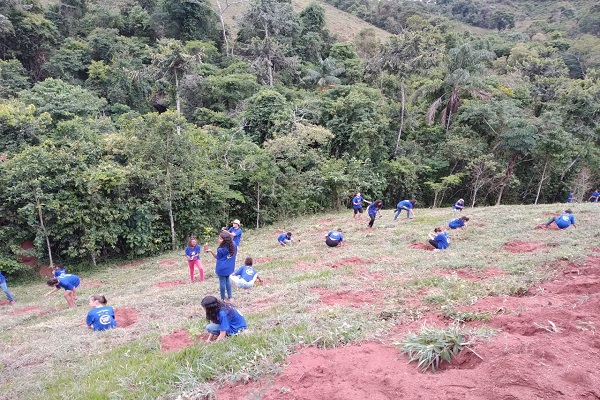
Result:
x=29 y=309
x=4 y=303
x=179 y=340
x=168 y=284
x=420 y=246
x=546 y=347
x=28 y=260
x=349 y=261
x=126 y=316
x=131 y=264
x=170 y=263
x=45 y=271
x=347 y=297
x=551 y=227
x=522 y=247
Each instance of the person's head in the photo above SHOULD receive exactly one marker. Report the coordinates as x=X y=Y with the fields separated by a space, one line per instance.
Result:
x=236 y=223
x=464 y=218
x=461 y=200
x=58 y=266
x=211 y=306
x=248 y=261
x=569 y=211
x=438 y=229
x=413 y=202
x=52 y=282
x=288 y=235
x=192 y=241
x=339 y=230
x=378 y=203
x=225 y=240
x=357 y=194
x=97 y=300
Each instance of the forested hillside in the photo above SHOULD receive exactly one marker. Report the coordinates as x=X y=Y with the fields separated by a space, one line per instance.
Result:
x=125 y=128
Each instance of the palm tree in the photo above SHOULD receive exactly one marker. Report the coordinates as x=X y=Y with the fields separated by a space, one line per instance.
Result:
x=325 y=74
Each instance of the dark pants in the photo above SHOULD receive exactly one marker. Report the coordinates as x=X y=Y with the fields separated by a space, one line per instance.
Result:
x=331 y=243
x=434 y=243
x=372 y=220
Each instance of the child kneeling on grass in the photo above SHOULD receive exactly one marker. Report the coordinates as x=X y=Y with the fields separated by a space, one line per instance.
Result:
x=439 y=239
x=101 y=317
x=224 y=319
x=246 y=275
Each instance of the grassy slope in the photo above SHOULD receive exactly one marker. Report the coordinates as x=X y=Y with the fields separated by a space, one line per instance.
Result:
x=55 y=356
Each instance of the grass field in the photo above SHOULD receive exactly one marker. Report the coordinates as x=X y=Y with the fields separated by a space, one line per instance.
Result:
x=46 y=352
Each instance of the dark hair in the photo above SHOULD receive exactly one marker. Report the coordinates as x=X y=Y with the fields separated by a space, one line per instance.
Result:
x=58 y=266
x=190 y=240
x=413 y=202
x=438 y=229
x=227 y=242
x=52 y=282
x=212 y=306
x=464 y=218
x=248 y=261
x=99 y=298
x=289 y=234
x=378 y=203
x=568 y=211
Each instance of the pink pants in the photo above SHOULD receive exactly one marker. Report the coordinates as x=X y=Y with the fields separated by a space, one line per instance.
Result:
x=191 y=264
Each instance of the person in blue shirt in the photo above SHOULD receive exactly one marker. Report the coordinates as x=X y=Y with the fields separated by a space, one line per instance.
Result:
x=101 y=317
x=563 y=221
x=407 y=205
x=357 y=205
x=458 y=222
x=225 y=265
x=334 y=238
x=594 y=197
x=236 y=232
x=459 y=205
x=374 y=209
x=192 y=254
x=4 y=287
x=285 y=238
x=570 y=197
x=246 y=275
x=59 y=270
x=68 y=282
x=439 y=239
x=224 y=319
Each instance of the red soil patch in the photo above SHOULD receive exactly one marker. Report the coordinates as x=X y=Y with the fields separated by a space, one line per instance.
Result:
x=28 y=260
x=92 y=284
x=126 y=316
x=522 y=247
x=547 y=348
x=420 y=246
x=349 y=261
x=473 y=275
x=4 y=303
x=131 y=264
x=27 y=310
x=45 y=271
x=347 y=297
x=170 y=263
x=551 y=227
x=168 y=284
x=179 y=340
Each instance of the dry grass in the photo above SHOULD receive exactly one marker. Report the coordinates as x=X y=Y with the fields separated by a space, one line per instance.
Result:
x=55 y=355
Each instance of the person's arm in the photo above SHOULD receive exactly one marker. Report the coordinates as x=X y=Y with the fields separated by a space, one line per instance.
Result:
x=222 y=335
x=211 y=252
x=52 y=291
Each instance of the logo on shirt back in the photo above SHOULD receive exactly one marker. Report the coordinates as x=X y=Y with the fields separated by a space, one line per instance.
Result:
x=105 y=319
x=250 y=271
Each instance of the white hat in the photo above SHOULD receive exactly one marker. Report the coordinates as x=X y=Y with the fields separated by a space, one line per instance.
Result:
x=235 y=221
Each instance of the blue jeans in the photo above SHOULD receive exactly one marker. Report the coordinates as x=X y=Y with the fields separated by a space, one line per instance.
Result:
x=399 y=210
x=7 y=292
x=224 y=285
x=213 y=328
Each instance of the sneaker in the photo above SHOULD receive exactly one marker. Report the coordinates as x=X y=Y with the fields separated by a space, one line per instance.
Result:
x=11 y=302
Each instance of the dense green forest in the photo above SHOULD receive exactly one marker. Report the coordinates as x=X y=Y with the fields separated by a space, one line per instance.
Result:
x=125 y=128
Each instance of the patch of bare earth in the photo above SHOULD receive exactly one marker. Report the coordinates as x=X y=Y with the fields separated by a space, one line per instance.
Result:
x=126 y=316
x=347 y=297
x=420 y=246
x=131 y=264
x=29 y=309
x=522 y=247
x=546 y=347
x=168 y=284
x=169 y=263
x=179 y=340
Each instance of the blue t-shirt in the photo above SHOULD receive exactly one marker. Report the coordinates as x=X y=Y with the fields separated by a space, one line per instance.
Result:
x=193 y=252
x=372 y=210
x=238 y=235
x=2 y=278
x=101 y=318
x=459 y=205
x=335 y=235
x=404 y=204
x=60 y=271
x=565 y=220
x=225 y=263
x=443 y=240
x=570 y=198
x=357 y=202
x=456 y=223
x=68 y=282
x=596 y=194
x=283 y=237
x=247 y=272
x=231 y=321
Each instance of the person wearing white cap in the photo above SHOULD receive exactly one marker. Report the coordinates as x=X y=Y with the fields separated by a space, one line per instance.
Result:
x=236 y=232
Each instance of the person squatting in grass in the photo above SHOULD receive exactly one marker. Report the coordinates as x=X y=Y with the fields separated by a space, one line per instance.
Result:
x=459 y=205
x=69 y=282
x=595 y=196
x=192 y=253
x=570 y=197
x=59 y=270
x=101 y=317
x=246 y=275
x=334 y=238
x=374 y=209
x=224 y=319
x=457 y=223
x=236 y=232
x=563 y=221
x=285 y=238
x=4 y=287
x=439 y=239
x=357 y=205
x=407 y=205
x=225 y=265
